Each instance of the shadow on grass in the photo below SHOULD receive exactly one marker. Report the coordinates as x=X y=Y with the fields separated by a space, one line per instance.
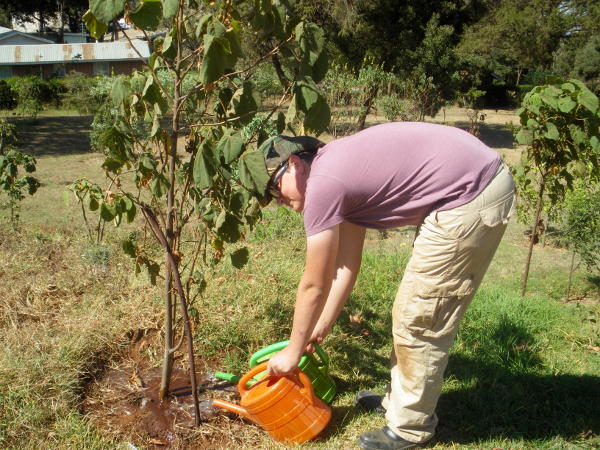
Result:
x=359 y=356
x=492 y=134
x=501 y=393
x=594 y=280
x=58 y=135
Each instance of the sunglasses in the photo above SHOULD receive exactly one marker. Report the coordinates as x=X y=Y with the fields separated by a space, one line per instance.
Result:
x=273 y=189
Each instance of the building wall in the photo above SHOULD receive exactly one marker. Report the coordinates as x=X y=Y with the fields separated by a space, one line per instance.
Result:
x=86 y=68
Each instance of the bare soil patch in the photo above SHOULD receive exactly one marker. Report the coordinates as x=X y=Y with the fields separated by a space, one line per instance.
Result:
x=124 y=403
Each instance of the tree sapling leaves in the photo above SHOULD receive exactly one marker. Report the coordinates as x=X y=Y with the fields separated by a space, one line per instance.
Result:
x=148 y=15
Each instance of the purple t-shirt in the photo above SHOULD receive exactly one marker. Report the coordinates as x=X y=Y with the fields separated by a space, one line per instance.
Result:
x=394 y=174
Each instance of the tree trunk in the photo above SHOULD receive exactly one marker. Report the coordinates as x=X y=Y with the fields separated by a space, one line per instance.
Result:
x=362 y=119
x=167 y=367
x=570 y=276
x=533 y=235
x=279 y=71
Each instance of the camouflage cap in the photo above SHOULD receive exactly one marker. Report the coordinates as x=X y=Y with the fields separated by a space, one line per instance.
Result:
x=278 y=149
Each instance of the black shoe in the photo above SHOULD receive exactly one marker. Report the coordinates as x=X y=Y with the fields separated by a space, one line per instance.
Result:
x=370 y=401
x=385 y=439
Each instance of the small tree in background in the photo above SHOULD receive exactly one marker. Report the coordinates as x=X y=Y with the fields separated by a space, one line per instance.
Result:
x=580 y=225
x=12 y=162
x=198 y=195
x=559 y=124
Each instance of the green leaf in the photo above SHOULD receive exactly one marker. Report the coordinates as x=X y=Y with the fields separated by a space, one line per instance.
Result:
x=307 y=94
x=551 y=131
x=148 y=15
x=203 y=170
x=280 y=122
x=252 y=171
x=129 y=248
x=107 y=212
x=245 y=100
x=228 y=227
x=524 y=137
x=215 y=59
x=169 y=45
x=159 y=186
x=240 y=257
x=549 y=97
x=317 y=118
x=238 y=201
x=320 y=67
x=595 y=143
x=311 y=40
x=112 y=165
x=106 y=10
x=153 y=271
x=569 y=87
x=203 y=25
x=94 y=205
x=566 y=104
x=170 y=8
x=230 y=146
x=578 y=135
x=131 y=212
x=533 y=103
x=233 y=36
x=588 y=99
x=97 y=29
x=153 y=95
x=120 y=91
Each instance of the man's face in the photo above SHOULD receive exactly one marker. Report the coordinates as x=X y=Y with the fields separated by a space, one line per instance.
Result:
x=291 y=184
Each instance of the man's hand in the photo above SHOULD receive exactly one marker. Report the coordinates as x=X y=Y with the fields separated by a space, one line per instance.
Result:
x=317 y=337
x=283 y=363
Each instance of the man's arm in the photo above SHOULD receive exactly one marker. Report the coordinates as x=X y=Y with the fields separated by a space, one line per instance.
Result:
x=350 y=245
x=313 y=290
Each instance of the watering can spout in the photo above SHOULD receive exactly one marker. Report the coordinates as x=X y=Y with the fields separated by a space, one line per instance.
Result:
x=231 y=407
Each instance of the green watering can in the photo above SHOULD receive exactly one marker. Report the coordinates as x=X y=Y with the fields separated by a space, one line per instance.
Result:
x=316 y=369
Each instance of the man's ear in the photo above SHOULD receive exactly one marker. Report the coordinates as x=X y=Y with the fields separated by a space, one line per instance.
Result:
x=297 y=163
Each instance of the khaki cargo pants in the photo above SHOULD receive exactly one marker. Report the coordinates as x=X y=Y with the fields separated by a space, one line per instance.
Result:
x=452 y=251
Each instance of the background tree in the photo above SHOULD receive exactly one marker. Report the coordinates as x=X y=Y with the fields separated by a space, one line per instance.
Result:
x=12 y=165
x=559 y=124
x=518 y=33
x=580 y=225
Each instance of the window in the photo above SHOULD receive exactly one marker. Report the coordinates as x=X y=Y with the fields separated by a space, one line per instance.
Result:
x=5 y=72
x=58 y=70
x=101 y=68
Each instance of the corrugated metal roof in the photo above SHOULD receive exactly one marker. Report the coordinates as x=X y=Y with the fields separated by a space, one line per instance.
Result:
x=62 y=53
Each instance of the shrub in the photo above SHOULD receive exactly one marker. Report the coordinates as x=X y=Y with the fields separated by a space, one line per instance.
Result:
x=395 y=108
x=580 y=227
x=32 y=93
x=266 y=81
x=8 y=98
x=77 y=93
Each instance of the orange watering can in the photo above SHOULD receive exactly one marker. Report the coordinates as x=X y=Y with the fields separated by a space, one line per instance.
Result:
x=285 y=407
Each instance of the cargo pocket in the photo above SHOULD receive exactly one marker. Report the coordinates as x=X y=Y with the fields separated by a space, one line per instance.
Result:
x=500 y=212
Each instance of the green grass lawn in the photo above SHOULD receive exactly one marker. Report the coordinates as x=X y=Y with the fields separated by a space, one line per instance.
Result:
x=524 y=371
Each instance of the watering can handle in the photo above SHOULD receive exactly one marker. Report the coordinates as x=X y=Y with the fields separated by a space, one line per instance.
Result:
x=322 y=355
x=242 y=387
x=266 y=352
x=304 y=380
